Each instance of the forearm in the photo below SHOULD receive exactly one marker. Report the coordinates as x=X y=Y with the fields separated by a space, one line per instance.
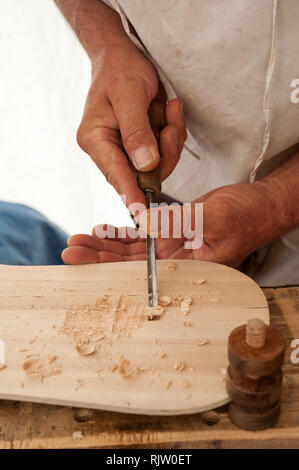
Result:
x=281 y=196
x=95 y=24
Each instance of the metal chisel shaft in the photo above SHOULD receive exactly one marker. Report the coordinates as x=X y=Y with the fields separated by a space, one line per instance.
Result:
x=153 y=296
x=150 y=183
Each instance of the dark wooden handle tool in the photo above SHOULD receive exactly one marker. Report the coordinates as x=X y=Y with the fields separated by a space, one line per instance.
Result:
x=151 y=180
x=150 y=183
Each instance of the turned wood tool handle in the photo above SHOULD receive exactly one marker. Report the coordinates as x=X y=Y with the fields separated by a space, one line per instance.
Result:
x=151 y=180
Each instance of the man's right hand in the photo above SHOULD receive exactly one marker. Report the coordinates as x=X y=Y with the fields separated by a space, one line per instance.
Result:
x=115 y=121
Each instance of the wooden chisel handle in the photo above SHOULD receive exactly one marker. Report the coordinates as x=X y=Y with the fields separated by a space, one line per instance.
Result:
x=151 y=180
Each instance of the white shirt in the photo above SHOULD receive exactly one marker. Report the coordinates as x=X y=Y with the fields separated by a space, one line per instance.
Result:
x=235 y=65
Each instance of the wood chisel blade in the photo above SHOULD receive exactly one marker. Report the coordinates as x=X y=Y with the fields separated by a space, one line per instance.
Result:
x=153 y=297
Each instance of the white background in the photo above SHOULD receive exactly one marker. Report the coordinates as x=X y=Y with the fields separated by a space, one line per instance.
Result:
x=44 y=80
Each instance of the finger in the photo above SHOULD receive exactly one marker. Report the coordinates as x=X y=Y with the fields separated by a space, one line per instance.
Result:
x=113 y=163
x=169 y=150
x=113 y=246
x=130 y=102
x=84 y=255
x=123 y=234
x=98 y=137
x=79 y=255
x=108 y=257
x=175 y=117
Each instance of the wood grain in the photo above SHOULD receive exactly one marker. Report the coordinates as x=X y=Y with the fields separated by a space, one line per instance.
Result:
x=36 y=301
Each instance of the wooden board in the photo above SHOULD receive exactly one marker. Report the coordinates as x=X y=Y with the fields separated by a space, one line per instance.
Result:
x=43 y=309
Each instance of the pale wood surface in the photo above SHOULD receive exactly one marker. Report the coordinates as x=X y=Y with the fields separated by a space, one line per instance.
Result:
x=30 y=425
x=35 y=302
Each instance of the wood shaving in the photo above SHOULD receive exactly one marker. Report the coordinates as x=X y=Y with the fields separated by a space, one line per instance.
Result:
x=43 y=367
x=77 y=434
x=101 y=301
x=187 y=323
x=162 y=354
x=85 y=346
x=198 y=281
x=184 y=383
x=179 y=365
x=155 y=341
x=155 y=313
x=125 y=372
x=114 y=367
x=32 y=340
x=171 y=266
x=214 y=299
x=164 y=300
x=223 y=373
x=188 y=397
x=3 y=366
x=23 y=350
x=203 y=341
x=184 y=302
x=169 y=384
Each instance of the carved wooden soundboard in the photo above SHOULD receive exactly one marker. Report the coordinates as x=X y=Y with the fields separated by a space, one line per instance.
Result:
x=170 y=362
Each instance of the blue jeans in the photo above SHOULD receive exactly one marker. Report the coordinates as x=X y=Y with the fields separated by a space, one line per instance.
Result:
x=28 y=238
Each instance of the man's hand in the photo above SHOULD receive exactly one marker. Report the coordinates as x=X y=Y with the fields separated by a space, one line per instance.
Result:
x=115 y=129
x=115 y=121
x=237 y=220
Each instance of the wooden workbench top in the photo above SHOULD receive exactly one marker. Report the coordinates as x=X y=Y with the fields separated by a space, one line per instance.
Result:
x=26 y=425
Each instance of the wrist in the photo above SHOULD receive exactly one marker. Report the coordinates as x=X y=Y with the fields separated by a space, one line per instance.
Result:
x=274 y=217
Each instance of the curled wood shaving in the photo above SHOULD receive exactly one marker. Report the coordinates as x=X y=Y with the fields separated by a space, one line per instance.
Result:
x=171 y=266
x=164 y=300
x=185 y=305
x=179 y=365
x=85 y=346
x=125 y=372
x=203 y=341
x=184 y=302
x=155 y=313
x=3 y=366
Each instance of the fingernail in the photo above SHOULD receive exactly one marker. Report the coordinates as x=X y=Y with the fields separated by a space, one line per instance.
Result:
x=142 y=157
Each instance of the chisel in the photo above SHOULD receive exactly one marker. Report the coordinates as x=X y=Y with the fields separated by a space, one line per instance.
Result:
x=150 y=183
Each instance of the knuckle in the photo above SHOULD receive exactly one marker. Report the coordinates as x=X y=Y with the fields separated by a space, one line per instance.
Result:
x=132 y=135
x=108 y=175
x=83 y=138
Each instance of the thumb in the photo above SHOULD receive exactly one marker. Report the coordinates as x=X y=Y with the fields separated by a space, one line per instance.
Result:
x=131 y=109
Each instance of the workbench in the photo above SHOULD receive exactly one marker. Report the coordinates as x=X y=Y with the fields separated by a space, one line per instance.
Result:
x=36 y=426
